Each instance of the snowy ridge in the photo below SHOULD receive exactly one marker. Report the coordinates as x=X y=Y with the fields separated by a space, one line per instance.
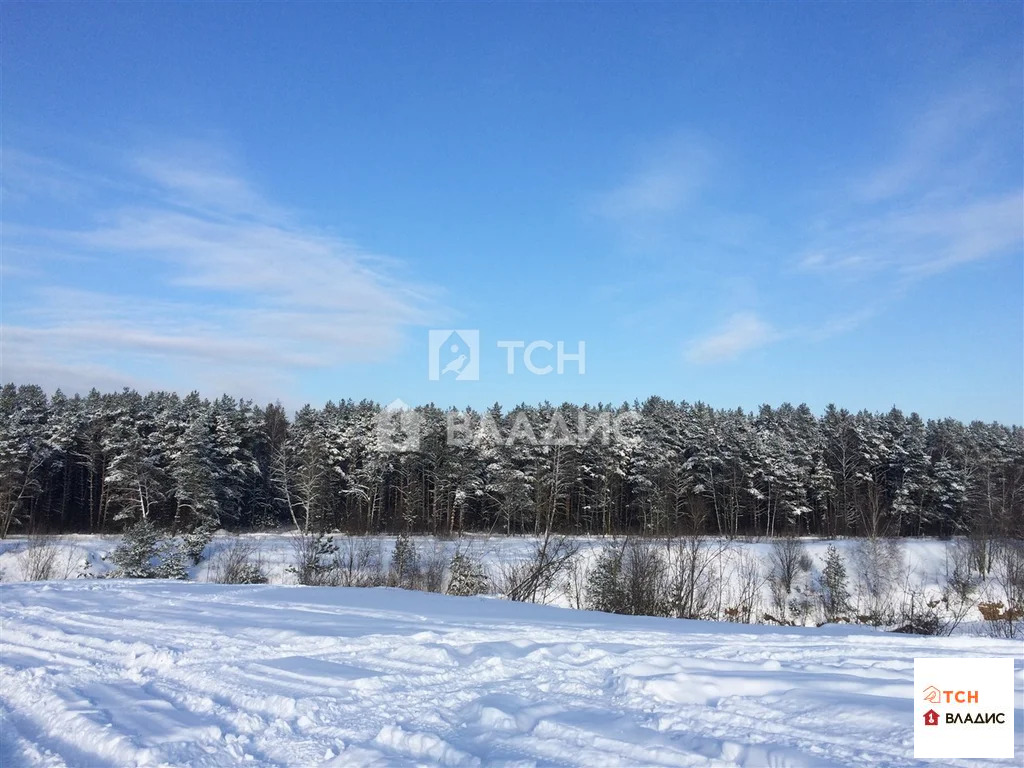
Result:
x=122 y=673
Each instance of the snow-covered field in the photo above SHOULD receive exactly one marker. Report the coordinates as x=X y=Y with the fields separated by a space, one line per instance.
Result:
x=123 y=673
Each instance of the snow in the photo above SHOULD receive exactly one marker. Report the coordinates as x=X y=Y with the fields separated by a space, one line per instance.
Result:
x=925 y=568
x=926 y=558
x=123 y=673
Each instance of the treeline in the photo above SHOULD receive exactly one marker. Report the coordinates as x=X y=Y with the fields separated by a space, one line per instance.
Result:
x=100 y=462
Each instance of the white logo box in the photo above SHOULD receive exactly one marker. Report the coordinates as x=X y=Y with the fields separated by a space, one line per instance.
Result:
x=973 y=699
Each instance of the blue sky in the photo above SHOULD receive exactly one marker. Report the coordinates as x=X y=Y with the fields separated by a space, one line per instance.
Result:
x=736 y=203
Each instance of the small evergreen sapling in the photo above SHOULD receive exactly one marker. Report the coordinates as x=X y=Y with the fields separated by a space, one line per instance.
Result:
x=238 y=563
x=835 y=595
x=170 y=561
x=316 y=560
x=134 y=555
x=194 y=542
x=467 y=576
x=404 y=561
x=142 y=555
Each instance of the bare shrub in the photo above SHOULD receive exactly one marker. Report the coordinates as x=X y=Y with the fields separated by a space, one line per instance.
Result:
x=749 y=581
x=576 y=575
x=917 y=615
x=696 y=577
x=877 y=565
x=39 y=560
x=981 y=551
x=46 y=559
x=1003 y=621
x=409 y=568
x=433 y=570
x=1009 y=572
x=321 y=562
x=314 y=563
x=358 y=563
x=605 y=591
x=239 y=563
x=787 y=559
x=1008 y=578
x=646 y=579
x=959 y=591
x=629 y=578
x=534 y=579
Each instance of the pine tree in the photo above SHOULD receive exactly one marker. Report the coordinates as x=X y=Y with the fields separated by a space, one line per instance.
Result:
x=82 y=464
x=133 y=481
x=467 y=576
x=170 y=561
x=190 y=469
x=835 y=595
x=404 y=560
x=24 y=452
x=135 y=554
x=195 y=541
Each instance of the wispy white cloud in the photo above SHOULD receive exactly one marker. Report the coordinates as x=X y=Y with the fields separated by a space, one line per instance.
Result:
x=937 y=152
x=935 y=204
x=27 y=174
x=667 y=180
x=207 y=183
x=742 y=332
x=924 y=240
x=214 y=282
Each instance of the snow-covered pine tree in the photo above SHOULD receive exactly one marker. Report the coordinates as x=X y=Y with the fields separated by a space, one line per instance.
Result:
x=466 y=576
x=404 y=560
x=24 y=452
x=135 y=554
x=835 y=594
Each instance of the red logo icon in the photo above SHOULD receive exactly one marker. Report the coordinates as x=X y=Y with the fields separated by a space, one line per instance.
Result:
x=931 y=717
